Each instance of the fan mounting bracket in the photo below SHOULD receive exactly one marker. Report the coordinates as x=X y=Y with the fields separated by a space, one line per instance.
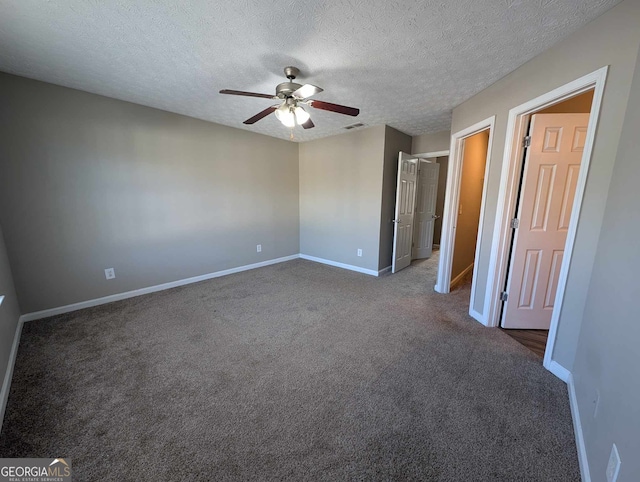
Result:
x=291 y=72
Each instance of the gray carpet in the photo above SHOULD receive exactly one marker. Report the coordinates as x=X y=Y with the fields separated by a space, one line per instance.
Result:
x=296 y=371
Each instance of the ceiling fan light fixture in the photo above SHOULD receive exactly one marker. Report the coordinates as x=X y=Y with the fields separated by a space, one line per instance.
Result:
x=285 y=115
x=289 y=113
x=302 y=115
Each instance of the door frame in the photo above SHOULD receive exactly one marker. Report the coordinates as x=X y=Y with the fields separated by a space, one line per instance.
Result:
x=514 y=234
x=509 y=179
x=434 y=155
x=428 y=157
x=426 y=160
x=431 y=155
x=451 y=204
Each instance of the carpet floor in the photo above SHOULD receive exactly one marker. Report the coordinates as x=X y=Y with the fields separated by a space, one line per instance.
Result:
x=296 y=371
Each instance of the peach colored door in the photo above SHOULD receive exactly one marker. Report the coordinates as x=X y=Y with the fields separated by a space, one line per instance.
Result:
x=552 y=164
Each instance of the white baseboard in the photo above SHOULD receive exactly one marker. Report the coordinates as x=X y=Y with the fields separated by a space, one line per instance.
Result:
x=558 y=370
x=460 y=277
x=340 y=265
x=6 y=384
x=554 y=367
x=577 y=428
x=151 y=289
x=384 y=270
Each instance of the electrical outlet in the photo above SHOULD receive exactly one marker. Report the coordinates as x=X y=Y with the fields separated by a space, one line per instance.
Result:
x=259 y=248
x=359 y=252
x=109 y=273
x=613 y=467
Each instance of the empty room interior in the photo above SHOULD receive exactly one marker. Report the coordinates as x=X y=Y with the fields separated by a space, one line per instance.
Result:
x=319 y=241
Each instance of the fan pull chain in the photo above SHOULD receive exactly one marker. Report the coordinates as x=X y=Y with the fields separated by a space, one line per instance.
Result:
x=291 y=134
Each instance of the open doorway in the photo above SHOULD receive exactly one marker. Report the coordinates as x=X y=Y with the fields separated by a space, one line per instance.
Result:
x=474 y=161
x=470 y=222
x=551 y=160
x=491 y=293
x=425 y=216
x=419 y=197
x=443 y=162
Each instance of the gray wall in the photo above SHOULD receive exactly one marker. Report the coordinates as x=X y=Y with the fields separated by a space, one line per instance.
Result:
x=88 y=182
x=612 y=39
x=341 y=197
x=9 y=314
x=394 y=142
x=607 y=354
x=436 y=141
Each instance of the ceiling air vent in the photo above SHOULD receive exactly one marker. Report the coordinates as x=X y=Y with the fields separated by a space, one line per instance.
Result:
x=354 y=126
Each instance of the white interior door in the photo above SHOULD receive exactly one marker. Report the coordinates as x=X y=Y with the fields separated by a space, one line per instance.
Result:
x=552 y=164
x=405 y=207
x=425 y=216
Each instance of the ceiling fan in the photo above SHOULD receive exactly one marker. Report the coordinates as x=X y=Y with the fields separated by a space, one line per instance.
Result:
x=293 y=96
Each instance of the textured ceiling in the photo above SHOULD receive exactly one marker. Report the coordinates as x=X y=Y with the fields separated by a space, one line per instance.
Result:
x=405 y=63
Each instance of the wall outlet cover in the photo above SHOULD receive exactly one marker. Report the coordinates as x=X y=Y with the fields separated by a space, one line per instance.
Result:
x=109 y=273
x=359 y=252
x=259 y=248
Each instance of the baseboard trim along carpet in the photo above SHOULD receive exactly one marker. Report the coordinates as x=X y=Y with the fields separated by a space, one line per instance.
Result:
x=558 y=370
x=458 y=279
x=151 y=289
x=350 y=267
x=244 y=364
x=577 y=428
x=6 y=384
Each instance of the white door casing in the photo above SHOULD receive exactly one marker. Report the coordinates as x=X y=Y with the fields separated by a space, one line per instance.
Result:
x=405 y=207
x=550 y=176
x=425 y=215
x=450 y=212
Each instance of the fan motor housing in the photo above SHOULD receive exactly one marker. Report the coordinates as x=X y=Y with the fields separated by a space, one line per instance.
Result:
x=285 y=89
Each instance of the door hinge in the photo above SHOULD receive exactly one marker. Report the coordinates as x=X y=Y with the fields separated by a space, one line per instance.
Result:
x=515 y=223
x=504 y=296
x=526 y=142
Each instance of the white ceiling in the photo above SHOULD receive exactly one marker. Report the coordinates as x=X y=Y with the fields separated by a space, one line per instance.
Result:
x=405 y=63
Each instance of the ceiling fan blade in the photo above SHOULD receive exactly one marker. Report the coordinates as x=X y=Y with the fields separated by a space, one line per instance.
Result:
x=340 y=109
x=307 y=90
x=261 y=115
x=308 y=125
x=247 y=94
